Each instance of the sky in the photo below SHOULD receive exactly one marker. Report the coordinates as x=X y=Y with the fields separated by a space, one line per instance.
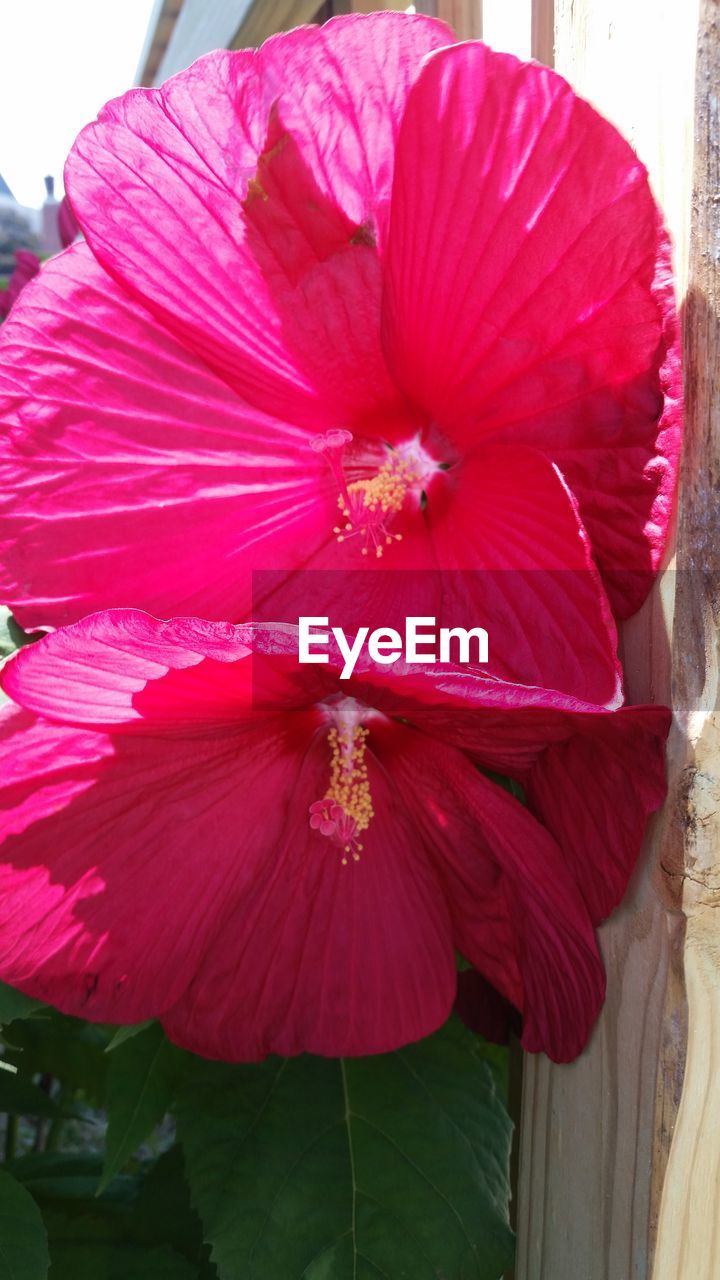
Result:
x=62 y=59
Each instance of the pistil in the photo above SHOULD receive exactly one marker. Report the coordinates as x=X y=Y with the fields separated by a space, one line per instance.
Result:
x=346 y=809
x=370 y=505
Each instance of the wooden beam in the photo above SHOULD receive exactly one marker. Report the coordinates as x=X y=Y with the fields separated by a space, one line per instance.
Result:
x=464 y=16
x=542 y=31
x=689 y=1231
x=165 y=22
x=595 y=1135
x=265 y=17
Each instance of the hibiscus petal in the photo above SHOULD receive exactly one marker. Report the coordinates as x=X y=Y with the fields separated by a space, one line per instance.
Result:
x=509 y=191
x=121 y=857
x=543 y=603
x=159 y=180
x=595 y=793
x=516 y=911
x=125 y=671
x=131 y=475
x=326 y=958
x=498 y=544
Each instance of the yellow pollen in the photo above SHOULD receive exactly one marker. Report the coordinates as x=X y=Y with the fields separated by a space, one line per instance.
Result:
x=385 y=491
x=367 y=505
x=349 y=786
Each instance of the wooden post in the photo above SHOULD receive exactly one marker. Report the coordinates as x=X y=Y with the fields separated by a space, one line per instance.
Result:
x=464 y=16
x=595 y=1135
x=542 y=31
x=689 y=1231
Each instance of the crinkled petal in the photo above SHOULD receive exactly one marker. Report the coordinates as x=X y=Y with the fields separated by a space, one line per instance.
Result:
x=126 y=672
x=130 y=474
x=528 y=292
x=324 y=957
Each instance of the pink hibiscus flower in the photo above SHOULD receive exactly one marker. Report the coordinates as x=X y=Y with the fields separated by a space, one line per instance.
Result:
x=270 y=859
x=341 y=298
x=27 y=265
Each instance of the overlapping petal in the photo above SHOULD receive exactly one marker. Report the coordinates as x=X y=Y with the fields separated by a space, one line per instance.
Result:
x=527 y=291
x=294 y=951
x=131 y=475
x=159 y=194
x=516 y=913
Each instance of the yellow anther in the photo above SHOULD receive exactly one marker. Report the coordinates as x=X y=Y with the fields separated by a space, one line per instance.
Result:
x=349 y=786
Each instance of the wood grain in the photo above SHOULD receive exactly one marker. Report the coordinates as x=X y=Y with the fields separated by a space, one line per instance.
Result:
x=689 y=1232
x=595 y=1135
x=542 y=31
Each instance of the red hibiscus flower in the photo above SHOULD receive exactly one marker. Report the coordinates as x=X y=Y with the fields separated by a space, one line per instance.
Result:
x=67 y=223
x=342 y=303
x=271 y=859
x=27 y=265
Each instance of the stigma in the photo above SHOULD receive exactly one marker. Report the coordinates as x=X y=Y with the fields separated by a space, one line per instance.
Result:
x=346 y=809
x=369 y=506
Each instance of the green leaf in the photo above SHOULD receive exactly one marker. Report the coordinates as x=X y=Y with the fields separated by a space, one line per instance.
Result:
x=13 y=1004
x=126 y=1033
x=164 y=1214
x=97 y=1261
x=20 y=1097
x=394 y=1166
x=23 y=1242
x=12 y=636
x=144 y=1073
x=136 y=1216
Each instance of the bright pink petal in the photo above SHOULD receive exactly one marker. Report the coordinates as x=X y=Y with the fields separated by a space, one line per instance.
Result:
x=159 y=182
x=509 y=511
x=326 y=958
x=516 y=911
x=129 y=474
x=124 y=670
x=497 y=544
x=509 y=191
x=121 y=858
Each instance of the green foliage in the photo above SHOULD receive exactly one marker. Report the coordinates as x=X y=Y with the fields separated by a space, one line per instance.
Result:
x=298 y=1169
x=143 y=1075
x=126 y=1033
x=23 y=1242
x=323 y=1169
x=13 y=1005
x=68 y=1049
x=20 y=1097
